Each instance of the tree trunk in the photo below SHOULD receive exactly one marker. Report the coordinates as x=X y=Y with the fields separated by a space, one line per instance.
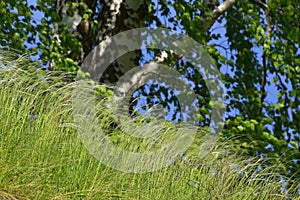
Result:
x=114 y=16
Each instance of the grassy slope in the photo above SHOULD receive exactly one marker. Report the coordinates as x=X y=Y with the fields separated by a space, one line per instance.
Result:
x=43 y=158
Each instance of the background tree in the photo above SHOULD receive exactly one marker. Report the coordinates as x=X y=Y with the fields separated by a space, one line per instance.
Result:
x=255 y=44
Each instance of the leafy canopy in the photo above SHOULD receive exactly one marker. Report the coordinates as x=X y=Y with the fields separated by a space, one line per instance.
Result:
x=254 y=43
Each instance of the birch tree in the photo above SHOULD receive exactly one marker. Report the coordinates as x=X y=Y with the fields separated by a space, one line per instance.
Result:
x=254 y=43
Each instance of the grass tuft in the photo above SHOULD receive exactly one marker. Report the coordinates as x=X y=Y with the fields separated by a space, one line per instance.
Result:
x=42 y=157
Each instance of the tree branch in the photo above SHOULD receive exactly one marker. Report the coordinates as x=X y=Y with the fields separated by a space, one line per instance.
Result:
x=261 y=4
x=265 y=7
x=222 y=8
x=208 y=21
x=263 y=81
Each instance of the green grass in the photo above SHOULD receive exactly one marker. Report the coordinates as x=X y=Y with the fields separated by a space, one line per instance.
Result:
x=43 y=157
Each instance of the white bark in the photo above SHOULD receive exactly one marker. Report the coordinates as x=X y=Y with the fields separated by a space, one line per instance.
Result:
x=222 y=8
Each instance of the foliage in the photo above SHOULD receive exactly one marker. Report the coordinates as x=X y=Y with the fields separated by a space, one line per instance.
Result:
x=258 y=56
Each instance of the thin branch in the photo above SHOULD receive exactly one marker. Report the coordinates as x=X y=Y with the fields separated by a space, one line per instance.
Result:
x=208 y=21
x=263 y=81
x=211 y=17
x=261 y=4
x=265 y=7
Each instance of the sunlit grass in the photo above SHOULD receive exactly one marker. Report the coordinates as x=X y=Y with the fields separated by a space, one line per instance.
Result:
x=42 y=157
